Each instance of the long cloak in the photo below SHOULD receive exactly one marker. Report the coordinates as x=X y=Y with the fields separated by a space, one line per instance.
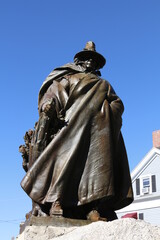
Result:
x=86 y=160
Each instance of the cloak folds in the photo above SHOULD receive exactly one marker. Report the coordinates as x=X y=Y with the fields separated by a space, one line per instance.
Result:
x=86 y=160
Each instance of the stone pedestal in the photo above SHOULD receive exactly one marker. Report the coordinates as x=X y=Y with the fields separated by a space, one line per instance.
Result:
x=54 y=221
x=125 y=228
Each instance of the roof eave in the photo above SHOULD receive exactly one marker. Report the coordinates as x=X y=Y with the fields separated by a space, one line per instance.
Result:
x=144 y=163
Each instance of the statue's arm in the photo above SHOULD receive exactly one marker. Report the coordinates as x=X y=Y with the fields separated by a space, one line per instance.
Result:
x=51 y=113
x=116 y=109
x=56 y=96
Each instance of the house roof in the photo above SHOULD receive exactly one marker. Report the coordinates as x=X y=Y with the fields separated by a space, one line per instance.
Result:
x=144 y=163
x=137 y=206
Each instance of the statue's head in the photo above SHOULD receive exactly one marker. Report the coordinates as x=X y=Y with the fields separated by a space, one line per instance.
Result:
x=91 y=58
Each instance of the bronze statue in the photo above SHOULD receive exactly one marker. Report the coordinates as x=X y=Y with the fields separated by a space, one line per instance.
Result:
x=77 y=159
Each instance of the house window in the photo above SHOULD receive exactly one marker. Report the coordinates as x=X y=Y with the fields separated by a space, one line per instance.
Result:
x=141 y=216
x=146 y=185
x=146 y=182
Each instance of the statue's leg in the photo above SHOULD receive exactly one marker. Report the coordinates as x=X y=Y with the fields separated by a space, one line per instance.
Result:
x=37 y=210
x=56 y=209
x=105 y=209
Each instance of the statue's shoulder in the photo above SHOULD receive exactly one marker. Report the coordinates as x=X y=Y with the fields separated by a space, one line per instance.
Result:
x=57 y=74
x=61 y=71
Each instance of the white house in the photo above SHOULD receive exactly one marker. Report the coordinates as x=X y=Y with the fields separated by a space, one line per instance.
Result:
x=146 y=186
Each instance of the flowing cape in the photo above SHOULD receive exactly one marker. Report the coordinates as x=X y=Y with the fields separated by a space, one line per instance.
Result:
x=87 y=159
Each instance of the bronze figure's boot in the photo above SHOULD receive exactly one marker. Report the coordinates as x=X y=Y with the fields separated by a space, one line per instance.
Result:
x=56 y=209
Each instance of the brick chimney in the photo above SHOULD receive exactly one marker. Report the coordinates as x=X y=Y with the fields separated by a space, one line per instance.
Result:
x=156 y=138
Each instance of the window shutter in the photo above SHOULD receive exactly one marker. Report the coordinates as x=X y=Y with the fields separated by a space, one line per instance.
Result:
x=137 y=186
x=153 y=183
x=141 y=216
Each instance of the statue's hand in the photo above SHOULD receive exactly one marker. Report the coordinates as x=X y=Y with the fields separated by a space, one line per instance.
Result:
x=49 y=108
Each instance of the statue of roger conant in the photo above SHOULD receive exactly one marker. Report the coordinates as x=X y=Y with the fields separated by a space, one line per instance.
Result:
x=75 y=158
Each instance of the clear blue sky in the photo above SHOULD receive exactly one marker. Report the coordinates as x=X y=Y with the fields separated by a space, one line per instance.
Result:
x=37 y=36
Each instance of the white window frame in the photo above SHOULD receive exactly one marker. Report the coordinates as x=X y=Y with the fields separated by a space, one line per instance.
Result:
x=141 y=184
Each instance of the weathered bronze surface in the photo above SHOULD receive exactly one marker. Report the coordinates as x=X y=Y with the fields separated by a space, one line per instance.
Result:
x=75 y=158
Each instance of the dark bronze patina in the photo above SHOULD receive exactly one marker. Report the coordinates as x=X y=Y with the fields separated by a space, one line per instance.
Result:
x=75 y=158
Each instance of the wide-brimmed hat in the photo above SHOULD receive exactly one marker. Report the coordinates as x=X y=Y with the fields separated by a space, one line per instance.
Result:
x=90 y=52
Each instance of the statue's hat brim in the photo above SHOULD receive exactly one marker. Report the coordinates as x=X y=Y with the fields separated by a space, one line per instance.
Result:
x=87 y=54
